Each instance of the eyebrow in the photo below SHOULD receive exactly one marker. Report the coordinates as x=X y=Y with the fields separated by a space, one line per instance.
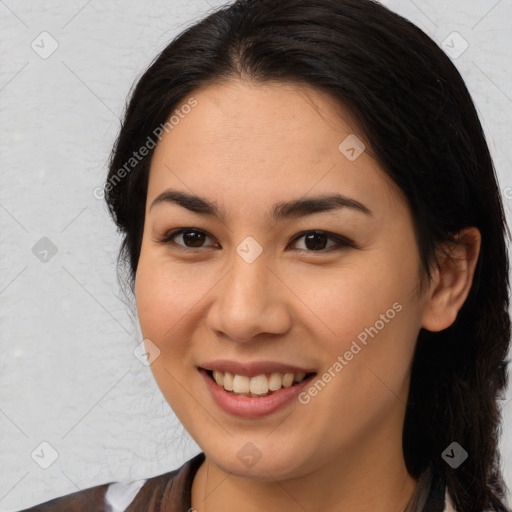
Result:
x=280 y=211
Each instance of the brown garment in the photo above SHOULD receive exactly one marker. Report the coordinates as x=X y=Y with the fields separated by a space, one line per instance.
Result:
x=171 y=492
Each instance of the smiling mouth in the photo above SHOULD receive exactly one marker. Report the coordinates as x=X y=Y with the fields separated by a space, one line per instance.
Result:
x=258 y=386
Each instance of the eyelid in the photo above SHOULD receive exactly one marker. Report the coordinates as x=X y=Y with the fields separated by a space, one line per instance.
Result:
x=341 y=242
x=166 y=239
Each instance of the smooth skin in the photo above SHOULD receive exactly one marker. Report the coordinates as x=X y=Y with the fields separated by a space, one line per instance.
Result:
x=245 y=147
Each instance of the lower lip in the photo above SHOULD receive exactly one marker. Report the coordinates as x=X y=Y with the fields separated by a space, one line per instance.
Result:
x=247 y=407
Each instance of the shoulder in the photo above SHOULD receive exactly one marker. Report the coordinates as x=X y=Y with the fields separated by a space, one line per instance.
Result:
x=120 y=497
x=92 y=499
x=110 y=497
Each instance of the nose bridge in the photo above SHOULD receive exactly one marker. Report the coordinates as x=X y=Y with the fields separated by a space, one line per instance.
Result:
x=248 y=276
x=247 y=290
x=248 y=268
x=249 y=302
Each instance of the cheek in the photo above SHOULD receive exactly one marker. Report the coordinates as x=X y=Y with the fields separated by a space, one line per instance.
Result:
x=165 y=297
x=166 y=301
x=340 y=303
x=366 y=315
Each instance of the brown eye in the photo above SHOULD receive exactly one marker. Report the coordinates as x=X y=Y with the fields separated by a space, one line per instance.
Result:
x=193 y=238
x=190 y=238
x=315 y=241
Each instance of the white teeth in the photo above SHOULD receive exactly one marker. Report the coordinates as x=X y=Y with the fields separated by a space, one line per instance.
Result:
x=241 y=384
x=287 y=380
x=259 y=384
x=275 y=381
x=228 y=381
x=299 y=377
x=219 y=377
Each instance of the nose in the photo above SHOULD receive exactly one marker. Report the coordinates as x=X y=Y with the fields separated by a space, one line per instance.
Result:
x=250 y=300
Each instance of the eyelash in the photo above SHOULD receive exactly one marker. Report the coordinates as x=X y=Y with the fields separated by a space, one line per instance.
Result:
x=341 y=242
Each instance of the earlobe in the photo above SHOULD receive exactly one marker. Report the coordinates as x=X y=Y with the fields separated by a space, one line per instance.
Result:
x=452 y=280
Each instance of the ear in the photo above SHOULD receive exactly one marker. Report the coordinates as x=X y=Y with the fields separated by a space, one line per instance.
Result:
x=451 y=280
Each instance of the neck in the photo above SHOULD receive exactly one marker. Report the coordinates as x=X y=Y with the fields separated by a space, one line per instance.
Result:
x=371 y=482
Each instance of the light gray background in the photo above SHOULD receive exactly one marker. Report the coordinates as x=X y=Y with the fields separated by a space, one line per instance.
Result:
x=68 y=375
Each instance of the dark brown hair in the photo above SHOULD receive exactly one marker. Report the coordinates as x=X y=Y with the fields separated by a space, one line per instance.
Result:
x=418 y=115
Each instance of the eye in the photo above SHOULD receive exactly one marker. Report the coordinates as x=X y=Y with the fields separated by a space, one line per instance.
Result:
x=194 y=237
x=315 y=241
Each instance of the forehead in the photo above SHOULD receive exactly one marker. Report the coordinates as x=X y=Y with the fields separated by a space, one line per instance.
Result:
x=247 y=117
x=260 y=142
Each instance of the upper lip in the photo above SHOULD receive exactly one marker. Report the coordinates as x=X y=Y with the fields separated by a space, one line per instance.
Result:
x=251 y=369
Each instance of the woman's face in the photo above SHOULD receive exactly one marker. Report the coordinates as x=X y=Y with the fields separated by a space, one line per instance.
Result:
x=250 y=291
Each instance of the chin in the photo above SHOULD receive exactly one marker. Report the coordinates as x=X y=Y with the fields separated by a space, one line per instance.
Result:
x=261 y=460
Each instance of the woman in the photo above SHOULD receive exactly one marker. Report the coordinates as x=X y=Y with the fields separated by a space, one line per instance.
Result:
x=316 y=246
